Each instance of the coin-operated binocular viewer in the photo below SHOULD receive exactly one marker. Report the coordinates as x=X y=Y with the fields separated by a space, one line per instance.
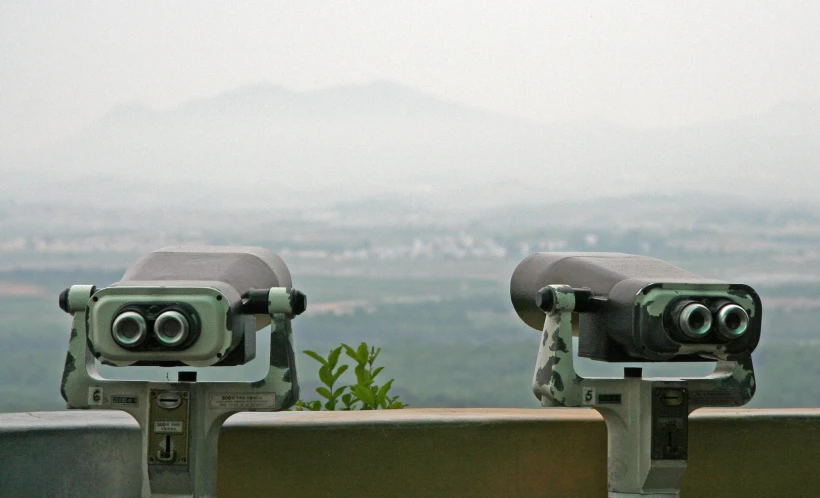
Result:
x=627 y=308
x=183 y=306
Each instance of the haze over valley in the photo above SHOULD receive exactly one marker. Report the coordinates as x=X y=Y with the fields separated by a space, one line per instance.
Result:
x=265 y=146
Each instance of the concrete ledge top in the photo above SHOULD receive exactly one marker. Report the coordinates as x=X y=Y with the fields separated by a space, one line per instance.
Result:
x=425 y=416
x=413 y=416
x=74 y=419
x=756 y=414
x=67 y=419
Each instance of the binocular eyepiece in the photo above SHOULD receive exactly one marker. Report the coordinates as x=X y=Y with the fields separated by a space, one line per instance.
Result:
x=129 y=329
x=171 y=329
x=693 y=321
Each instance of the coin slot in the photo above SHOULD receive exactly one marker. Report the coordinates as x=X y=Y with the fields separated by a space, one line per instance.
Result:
x=169 y=400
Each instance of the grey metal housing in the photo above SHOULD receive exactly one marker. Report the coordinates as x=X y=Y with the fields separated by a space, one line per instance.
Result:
x=239 y=267
x=232 y=270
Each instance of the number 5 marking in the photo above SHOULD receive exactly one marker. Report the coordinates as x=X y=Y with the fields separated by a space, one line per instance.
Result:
x=589 y=396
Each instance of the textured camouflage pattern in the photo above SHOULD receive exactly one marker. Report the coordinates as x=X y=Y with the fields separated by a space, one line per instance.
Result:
x=626 y=403
x=84 y=388
x=556 y=383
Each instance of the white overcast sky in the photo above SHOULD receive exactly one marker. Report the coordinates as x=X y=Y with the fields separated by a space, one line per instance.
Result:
x=644 y=63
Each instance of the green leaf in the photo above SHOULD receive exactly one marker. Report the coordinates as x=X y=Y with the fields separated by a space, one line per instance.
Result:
x=342 y=369
x=357 y=391
x=376 y=372
x=325 y=376
x=381 y=394
x=394 y=403
x=333 y=357
x=323 y=392
x=366 y=396
x=362 y=354
x=312 y=406
x=350 y=352
x=339 y=391
x=384 y=389
x=315 y=356
x=356 y=354
x=362 y=375
x=371 y=400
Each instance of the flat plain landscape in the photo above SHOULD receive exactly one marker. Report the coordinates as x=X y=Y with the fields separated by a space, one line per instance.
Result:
x=430 y=288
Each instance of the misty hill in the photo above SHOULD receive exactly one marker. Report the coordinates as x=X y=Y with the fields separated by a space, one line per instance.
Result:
x=265 y=145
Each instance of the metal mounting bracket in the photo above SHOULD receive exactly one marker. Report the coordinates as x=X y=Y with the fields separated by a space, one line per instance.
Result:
x=180 y=421
x=646 y=418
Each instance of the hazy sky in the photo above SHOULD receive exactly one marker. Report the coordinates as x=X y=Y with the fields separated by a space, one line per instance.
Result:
x=647 y=63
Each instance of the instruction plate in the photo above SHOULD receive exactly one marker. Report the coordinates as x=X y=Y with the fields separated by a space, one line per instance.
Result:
x=168 y=427
x=125 y=400
x=244 y=401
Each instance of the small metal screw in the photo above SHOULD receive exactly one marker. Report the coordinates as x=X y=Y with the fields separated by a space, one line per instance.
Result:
x=153 y=394
x=150 y=459
x=183 y=460
x=185 y=395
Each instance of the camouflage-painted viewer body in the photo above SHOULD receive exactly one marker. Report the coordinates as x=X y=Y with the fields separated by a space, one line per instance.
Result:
x=632 y=296
x=630 y=315
x=556 y=382
x=181 y=420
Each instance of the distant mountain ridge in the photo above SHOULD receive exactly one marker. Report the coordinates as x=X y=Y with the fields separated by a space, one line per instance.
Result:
x=273 y=102
x=267 y=145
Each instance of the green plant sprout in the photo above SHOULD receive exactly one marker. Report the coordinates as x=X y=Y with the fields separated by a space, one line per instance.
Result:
x=365 y=394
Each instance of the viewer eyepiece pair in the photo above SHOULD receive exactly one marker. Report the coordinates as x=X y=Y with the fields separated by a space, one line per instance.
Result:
x=695 y=321
x=130 y=329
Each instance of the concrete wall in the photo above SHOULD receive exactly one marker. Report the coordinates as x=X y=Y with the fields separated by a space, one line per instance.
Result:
x=413 y=452
x=69 y=454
